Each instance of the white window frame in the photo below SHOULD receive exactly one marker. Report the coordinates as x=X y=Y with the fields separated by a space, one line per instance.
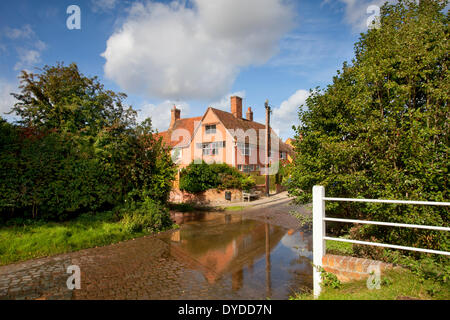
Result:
x=209 y=129
x=248 y=168
x=245 y=149
x=212 y=148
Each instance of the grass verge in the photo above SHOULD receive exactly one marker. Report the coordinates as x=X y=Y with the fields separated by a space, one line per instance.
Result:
x=396 y=284
x=339 y=248
x=236 y=208
x=41 y=239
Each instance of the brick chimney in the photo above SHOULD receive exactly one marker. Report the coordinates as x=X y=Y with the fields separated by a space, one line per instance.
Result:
x=236 y=106
x=249 y=114
x=175 y=115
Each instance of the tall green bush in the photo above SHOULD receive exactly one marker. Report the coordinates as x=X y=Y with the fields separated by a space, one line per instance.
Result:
x=147 y=216
x=202 y=176
x=381 y=129
x=198 y=177
x=76 y=148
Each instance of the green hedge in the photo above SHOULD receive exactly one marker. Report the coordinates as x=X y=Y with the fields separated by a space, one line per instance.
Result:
x=198 y=177
x=77 y=149
x=380 y=130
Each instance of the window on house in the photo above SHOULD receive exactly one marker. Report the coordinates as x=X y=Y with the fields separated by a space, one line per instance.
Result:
x=283 y=155
x=210 y=129
x=244 y=148
x=209 y=150
x=176 y=154
x=247 y=168
x=212 y=148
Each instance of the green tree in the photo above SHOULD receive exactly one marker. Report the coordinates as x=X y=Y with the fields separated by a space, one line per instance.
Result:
x=61 y=97
x=198 y=177
x=380 y=130
x=77 y=148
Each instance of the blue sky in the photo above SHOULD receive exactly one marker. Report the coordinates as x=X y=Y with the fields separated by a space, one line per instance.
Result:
x=192 y=53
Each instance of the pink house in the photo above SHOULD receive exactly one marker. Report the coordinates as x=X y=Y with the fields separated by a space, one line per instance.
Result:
x=223 y=137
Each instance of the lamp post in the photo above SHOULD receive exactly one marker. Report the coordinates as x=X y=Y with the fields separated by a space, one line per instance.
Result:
x=266 y=104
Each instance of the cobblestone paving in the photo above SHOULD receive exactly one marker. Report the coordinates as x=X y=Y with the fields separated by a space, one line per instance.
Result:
x=35 y=279
x=144 y=268
x=277 y=214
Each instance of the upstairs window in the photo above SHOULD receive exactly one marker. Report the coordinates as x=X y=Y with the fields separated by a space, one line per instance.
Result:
x=210 y=129
x=209 y=149
x=244 y=148
x=212 y=148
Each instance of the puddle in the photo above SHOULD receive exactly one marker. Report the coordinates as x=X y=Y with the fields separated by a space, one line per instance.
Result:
x=249 y=257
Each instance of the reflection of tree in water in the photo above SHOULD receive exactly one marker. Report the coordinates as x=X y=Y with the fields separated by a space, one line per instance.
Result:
x=302 y=279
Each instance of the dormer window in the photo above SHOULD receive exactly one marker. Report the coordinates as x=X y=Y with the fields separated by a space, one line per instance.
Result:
x=210 y=129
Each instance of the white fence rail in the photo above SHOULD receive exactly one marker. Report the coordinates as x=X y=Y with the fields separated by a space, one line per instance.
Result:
x=319 y=235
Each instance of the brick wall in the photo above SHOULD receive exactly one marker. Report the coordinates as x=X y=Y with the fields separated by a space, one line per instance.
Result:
x=209 y=197
x=350 y=268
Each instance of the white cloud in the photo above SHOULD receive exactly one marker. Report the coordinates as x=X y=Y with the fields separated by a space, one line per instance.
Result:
x=285 y=116
x=25 y=32
x=27 y=58
x=7 y=101
x=356 y=12
x=28 y=50
x=160 y=113
x=225 y=102
x=103 y=5
x=173 y=51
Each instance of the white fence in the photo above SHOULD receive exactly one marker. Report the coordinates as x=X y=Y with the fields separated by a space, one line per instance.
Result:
x=319 y=236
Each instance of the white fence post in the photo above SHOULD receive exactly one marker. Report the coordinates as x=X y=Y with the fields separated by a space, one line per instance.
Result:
x=318 y=235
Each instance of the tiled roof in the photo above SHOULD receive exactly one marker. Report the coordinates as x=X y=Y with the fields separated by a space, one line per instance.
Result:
x=229 y=121
x=186 y=124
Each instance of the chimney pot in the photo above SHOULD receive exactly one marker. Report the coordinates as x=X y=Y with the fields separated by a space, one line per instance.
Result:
x=249 y=114
x=236 y=106
x=175 y=115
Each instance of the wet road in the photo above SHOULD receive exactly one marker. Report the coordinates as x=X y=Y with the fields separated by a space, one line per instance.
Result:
x=212 y=256
x=251 y=255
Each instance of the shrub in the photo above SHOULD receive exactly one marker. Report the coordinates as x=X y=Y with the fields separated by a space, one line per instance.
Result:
x=201 y=177
x=148 y=216
x=247 y=183
x=198 y=177
x=229 y=182
x=380 y=130
x=77 y=148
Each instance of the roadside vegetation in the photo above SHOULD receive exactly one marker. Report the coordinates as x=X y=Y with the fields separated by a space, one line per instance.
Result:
x=36 y=239
x=199 y=177
x=77 y=170
x=396 y=284
x=380 y=131
x=236 y=208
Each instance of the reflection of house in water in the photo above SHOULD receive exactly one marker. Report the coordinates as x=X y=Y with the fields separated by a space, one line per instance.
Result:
x=226 y=244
